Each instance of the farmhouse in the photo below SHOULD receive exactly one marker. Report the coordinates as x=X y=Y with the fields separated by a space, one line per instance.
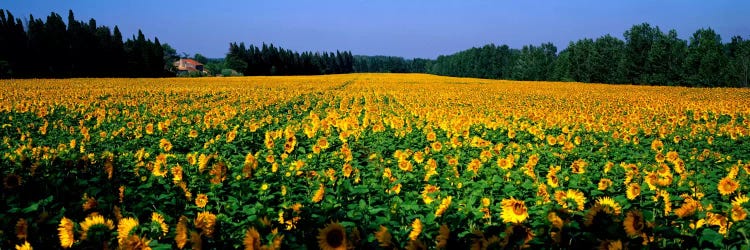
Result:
x=187 y=65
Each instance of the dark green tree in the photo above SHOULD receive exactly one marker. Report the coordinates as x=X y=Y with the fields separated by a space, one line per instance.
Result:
x=705 y=59
x=638 y=42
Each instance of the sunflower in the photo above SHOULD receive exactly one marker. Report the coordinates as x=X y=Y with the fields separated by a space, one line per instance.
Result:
x=443 y=236
x=541 y=192
x=181 y=233
x=218 y=172
x=555 y=220
x=416 y=229
x=165 y=145
x=633 y=190
x=136 y=243
x=176 y=174
x=332 y=237
x=444 y=204
x=124 y=227
x=436 y=146
x=95 y=220
x=319 y=194
x=688 y=207
x=517 y=235
x=195 y=240
x=383 y=237
x=634 y=223
x=12 y=181
x=564 y=197
x=604 y=183
x=727 y=186
x=252 y=239
x=206 y=222
x=740 y=199
x=610 y=245
x=22 y=228
x=579 y=166
x=514 y=211
x=672 y=156
x=24 y=246
x=415 y=245
x=201 y=200
x=610 y=203
x=657 y=145
x=159 y=219
x=347 y=170
x=738 y=213
x=66 y=233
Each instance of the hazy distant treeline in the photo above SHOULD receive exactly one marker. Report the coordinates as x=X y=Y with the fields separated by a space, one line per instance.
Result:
x=271 y=60
x=50 y=48
x=646 y=56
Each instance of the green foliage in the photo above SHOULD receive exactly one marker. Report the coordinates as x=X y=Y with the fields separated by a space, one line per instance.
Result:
x=50 y=48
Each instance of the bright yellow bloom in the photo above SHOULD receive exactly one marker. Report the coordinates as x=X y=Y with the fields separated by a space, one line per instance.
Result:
x=416 y=229
x=206 y=222
x=444 y=204
x=633 y=191
x=24 y=246
x=610 y=203
x=201 y=200
x=159 y=219
x=181 y=233
x=564 y=197
x=95 y=220
x=727 y=186
x=124 y=227
x=66 y=233
x=514 y=211
x=319 y=194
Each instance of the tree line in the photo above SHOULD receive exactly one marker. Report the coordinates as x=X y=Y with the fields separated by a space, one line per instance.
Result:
x=647 y=56
x=271 y=60
x=51 y=49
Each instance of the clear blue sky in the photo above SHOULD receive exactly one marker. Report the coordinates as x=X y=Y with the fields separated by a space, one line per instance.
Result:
x=419 y=28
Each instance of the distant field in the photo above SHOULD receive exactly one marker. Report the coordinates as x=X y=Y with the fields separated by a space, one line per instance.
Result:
x=371 y=161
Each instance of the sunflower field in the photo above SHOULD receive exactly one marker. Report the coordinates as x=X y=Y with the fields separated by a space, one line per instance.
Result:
x=371 y=161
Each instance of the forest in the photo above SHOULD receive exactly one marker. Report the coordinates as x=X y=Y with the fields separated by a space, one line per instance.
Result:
x=51 y=49
x=647 y=56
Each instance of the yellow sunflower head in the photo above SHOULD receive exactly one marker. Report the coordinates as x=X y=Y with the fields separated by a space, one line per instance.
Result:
x=124 y=227
x=611 y=204
x=252 y=239
x=332 y=237
x=66 y=232
x=514 y=211
x=95 y=222
x=634 y=189
x=727 y=186
x=634 y=223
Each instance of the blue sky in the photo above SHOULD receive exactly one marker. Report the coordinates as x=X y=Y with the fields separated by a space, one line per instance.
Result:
x=418 y=28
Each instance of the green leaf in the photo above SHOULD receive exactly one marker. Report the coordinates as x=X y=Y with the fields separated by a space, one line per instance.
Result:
x=709 y=235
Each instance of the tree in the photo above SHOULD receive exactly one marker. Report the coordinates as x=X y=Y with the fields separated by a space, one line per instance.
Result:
x=200 y=58
x=737 y=71
x=170 y=56
x=666 y=59
x=705 y=59
x=609 y=64
x=638 y=42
